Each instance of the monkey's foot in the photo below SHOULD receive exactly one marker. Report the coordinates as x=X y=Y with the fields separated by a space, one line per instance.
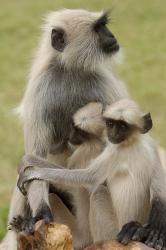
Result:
x=154 y=238
x=146 y=234
x=20 y=224
x=131 y=231
x=27 y=225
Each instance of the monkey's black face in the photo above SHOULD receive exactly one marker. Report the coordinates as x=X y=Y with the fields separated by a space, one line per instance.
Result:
x=117 y=130
x=78 y=136
x=107 y=41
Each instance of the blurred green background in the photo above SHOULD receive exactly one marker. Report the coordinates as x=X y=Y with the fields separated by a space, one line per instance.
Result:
x=140 y=27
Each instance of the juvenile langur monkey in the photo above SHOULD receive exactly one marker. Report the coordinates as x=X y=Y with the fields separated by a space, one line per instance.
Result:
x=70 y=69
x=133 y=172
x=89 y=141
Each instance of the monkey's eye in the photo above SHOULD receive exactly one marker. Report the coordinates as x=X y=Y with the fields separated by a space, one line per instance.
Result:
x=123 y=126
x=101 y=23
x=109 y=123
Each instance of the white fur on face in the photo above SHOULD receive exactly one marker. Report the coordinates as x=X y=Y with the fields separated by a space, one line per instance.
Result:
x=125 y=110
x=82 y=50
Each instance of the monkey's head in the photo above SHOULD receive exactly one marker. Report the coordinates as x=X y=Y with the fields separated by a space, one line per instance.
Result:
x=124 y=119
x=87 y=123
x=79 y=38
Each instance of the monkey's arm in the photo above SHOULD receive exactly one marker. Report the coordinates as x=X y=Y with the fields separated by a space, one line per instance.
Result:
x=33 y=160
x=156 y=237
x=93 y=176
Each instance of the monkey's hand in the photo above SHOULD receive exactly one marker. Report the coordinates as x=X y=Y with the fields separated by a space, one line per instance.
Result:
x=131 y=231
x=28 y=175
x=28 y=164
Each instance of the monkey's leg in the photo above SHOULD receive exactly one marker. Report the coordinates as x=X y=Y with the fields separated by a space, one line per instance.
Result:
x=17 y=207
x=18 y=204
x=38 y=201
x=155 y=229
x=37 y=194
x=153 y=233
x=81 y=198
x=63 y=215
x=103 y=222
x=9 y=242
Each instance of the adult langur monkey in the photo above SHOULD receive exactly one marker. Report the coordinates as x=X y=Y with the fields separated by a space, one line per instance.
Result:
x=70 y=69
x=131 y=167
x=87 y=138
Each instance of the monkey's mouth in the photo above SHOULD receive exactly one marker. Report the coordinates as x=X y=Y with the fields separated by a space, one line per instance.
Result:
x=111 y=47
x=115 y=140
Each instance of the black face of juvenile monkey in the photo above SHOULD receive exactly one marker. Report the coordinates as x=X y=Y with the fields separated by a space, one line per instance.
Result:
x=78 y=136
x=118 y=130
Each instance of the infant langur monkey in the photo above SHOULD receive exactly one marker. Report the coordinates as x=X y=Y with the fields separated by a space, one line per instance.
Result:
x=87 y=141
x=133 y=172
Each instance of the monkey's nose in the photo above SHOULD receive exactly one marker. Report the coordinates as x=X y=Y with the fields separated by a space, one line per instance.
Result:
x=111 y=45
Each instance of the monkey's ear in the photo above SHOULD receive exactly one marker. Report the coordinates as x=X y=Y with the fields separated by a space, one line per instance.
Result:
x=148 y=124
x=58 y=39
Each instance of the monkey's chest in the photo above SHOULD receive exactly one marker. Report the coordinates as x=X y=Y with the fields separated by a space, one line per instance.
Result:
x=130 y=194
x=66 y=96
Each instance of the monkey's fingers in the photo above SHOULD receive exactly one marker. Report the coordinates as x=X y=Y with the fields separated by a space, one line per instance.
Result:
x=15 y=224
x=127 y=232
x=160 y=244
x=24 y=179
x=139 y=234
x=20 y=185
x=152 y=238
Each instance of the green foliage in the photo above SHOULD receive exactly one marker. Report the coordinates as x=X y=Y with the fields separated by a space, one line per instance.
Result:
x=140 y=29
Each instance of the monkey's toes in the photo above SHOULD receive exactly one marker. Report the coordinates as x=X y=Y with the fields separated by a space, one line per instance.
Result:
x=29 y=225
x=156 y=240
x=16 y=224
x=128 y=231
